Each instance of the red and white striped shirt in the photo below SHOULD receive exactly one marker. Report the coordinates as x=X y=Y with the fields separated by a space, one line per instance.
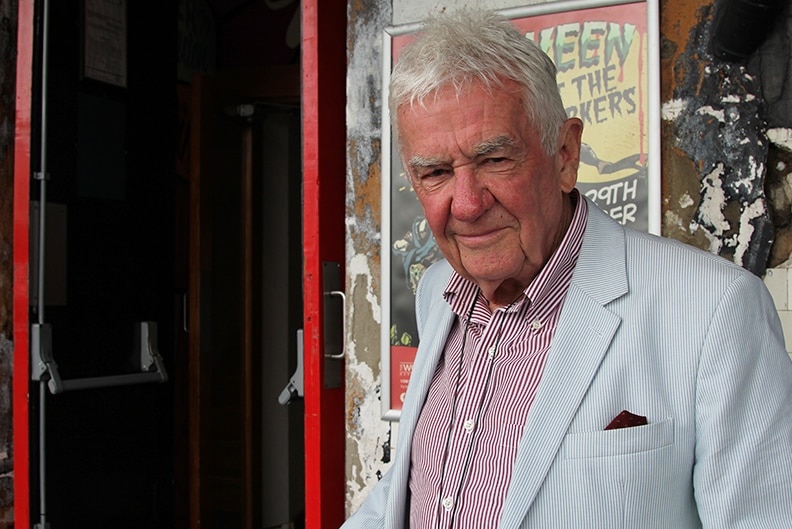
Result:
x=463 y=452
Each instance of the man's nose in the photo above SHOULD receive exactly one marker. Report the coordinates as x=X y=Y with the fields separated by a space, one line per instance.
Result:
x=471 y=198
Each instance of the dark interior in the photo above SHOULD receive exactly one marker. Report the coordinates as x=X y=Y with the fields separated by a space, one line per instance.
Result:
x=117 y=189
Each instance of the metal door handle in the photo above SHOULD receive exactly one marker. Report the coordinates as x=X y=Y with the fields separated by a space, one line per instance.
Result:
x=343 y=324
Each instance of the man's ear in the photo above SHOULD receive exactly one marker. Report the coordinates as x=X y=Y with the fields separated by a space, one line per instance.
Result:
x=568 y=156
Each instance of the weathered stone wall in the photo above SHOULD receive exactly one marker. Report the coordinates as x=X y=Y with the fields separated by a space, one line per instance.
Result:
x=368 y=438
x=718 y=152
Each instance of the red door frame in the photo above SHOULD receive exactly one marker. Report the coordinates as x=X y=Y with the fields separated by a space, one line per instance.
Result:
x=21 y=384
x=324 y=178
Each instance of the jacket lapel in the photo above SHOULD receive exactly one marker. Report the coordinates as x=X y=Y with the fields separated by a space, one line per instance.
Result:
x=584 y=333
x=429 y=354
x=426 y=361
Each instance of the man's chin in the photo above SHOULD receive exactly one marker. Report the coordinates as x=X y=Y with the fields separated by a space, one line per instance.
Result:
x=491 y=276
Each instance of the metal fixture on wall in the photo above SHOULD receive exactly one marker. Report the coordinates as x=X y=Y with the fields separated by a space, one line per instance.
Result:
x=41 y=176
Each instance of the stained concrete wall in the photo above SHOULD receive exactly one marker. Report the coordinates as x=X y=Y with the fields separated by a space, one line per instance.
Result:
x=726 y=165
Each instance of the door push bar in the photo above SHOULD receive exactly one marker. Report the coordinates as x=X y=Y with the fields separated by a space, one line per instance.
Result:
x=43 y=363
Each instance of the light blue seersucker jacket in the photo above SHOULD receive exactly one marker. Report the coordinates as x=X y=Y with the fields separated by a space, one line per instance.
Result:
x=683 y=337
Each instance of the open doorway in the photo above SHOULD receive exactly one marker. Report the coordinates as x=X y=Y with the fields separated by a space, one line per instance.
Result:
x=126 y=249
x=245 y=449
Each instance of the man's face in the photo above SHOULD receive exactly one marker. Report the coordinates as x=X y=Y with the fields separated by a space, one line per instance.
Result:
x=495 y=201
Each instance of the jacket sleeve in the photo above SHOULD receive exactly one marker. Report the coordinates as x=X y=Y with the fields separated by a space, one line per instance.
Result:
x=371 y=514
x=743 y=471
x=375 y=512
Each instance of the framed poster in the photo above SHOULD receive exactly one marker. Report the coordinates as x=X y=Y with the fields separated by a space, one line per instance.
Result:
x=607 y=56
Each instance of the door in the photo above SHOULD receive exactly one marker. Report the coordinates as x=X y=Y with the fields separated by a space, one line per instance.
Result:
x=242 y=450
x=98 y=187
x=228 y=422
x=324 y=154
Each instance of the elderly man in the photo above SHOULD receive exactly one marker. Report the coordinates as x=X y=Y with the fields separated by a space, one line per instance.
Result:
x=572 y=373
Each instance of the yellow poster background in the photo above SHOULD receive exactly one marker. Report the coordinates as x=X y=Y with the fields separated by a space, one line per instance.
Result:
x=601 y=57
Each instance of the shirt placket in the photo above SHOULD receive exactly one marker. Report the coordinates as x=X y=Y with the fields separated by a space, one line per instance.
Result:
x=480 y=350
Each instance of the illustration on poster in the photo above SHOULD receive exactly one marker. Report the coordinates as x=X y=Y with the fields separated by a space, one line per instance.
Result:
x=600 y=76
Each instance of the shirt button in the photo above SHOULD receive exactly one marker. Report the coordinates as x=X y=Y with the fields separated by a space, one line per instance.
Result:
x=491 y=351
x=469 y=424
x=536 y=324
x=448 y=502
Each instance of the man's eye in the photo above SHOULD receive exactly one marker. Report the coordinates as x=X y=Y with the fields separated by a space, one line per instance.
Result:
x=496 y=165
x=435 y=173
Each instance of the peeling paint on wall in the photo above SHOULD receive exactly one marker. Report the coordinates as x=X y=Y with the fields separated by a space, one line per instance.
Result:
x=779 y=193
x=671 y=110
x=716 y=112
x=710 y=216
x=369 y=438
x=781 y=137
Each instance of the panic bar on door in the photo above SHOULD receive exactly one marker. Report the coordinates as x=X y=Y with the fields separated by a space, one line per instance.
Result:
x=43 y=363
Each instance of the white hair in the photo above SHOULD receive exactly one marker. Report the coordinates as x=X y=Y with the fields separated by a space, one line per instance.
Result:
x=473 y=45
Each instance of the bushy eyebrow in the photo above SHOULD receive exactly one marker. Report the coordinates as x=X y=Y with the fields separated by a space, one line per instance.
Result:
x=422 y=162
x=482 y=149
x=493 y=145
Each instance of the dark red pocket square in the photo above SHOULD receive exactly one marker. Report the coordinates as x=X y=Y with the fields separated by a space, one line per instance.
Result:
x=625 y=419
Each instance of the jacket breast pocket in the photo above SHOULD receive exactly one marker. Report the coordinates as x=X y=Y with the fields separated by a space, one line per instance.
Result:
x=619 y=442
x=620 y=479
